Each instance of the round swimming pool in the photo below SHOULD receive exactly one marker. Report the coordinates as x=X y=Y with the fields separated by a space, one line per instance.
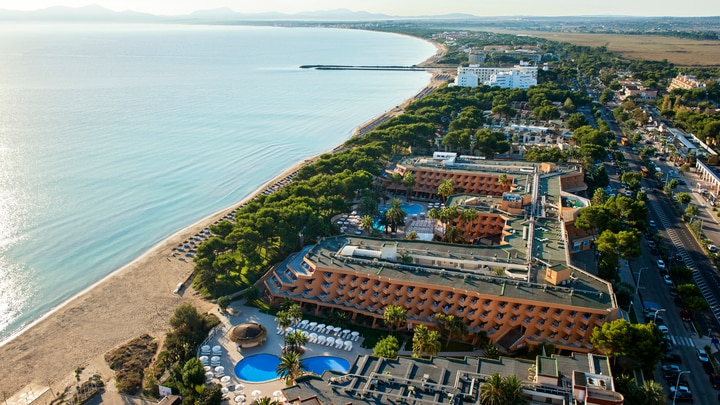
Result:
x=258 y=368
x=319 y=364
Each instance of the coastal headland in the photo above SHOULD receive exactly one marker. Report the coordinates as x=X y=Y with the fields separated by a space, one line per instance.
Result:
x=136 y=299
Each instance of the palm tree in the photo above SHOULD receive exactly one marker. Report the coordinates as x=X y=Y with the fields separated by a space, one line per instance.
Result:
x=412 y=235
x=446 y=189
x=425 y=341
x=296 y=340
x=395 y=215
x=453 y=235
x=367 y=223
x=284 y=321
x=503 y=179
x=653 y=393
x=267 y=401
x=396 y=179
x=512 y=390
x=451 y=325
x=469 y=216
x=394 y=316
x=409 y=182
x=295 y=313
x=286 y=303
x=491 y=391
x=290 y=367
x=492 y=351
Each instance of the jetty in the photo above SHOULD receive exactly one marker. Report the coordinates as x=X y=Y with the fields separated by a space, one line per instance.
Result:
x=369 y=67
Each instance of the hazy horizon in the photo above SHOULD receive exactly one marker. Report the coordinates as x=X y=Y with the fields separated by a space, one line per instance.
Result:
x=639 y=8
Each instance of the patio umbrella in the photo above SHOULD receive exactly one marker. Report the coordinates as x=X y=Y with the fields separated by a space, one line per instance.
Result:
x=277 y=394
x=256 y=393
x=239 y=387
x=225 y=379
x=219 y=369
x=224 y=390
x=240 y=398
x=209 y=375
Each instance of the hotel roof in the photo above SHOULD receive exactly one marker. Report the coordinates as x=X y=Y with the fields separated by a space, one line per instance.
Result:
x=363 y=255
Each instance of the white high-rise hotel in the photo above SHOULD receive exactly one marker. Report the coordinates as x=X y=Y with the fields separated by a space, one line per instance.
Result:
x=517 y=77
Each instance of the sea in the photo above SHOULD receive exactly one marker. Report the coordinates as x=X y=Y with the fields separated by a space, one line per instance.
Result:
x=113 y=137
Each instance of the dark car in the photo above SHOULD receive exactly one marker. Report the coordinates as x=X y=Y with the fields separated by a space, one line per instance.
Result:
x=685 y=316
x=715 y=381
x=672 y=358
x=708 y=367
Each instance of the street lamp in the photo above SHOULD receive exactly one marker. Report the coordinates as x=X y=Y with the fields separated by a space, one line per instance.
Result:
x=637 y=283
x=677 y=384
x=656 y=312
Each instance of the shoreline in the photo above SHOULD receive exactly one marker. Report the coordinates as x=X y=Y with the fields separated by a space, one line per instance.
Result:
x=134 y=299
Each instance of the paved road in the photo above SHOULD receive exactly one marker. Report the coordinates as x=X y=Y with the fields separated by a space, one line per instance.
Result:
x=653 y=288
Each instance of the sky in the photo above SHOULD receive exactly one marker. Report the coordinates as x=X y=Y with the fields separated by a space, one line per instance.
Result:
x=402 y=7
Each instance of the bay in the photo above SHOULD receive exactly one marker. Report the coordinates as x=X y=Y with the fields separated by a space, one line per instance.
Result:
x=113 y=137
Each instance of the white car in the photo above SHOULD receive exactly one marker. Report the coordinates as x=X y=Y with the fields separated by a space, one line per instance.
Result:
x=652 y=224
x=667 y=279
x=664 y=329
x=712 y=248
x=703 y=356
x=661 y=264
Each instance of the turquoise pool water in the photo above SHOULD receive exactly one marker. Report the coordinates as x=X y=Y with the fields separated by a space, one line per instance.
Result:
x=263 y=367
x=257 y=368
x=320 y=364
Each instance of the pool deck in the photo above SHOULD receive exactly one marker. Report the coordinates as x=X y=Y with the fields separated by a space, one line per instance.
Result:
x=231 y=356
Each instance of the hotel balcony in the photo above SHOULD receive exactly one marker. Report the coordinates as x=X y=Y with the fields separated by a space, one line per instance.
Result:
x=377 y=286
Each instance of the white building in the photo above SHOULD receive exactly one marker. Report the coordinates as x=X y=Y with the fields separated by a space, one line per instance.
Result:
x=471 y=76
x=513 y=79
x=466 y=80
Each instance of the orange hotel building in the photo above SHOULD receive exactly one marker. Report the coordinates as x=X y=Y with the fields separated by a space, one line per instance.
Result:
x=522 y=291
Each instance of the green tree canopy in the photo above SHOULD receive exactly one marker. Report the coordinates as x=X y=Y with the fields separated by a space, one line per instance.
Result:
x=387 y=347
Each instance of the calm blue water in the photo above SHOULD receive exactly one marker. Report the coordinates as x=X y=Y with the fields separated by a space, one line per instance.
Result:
x=320 y=364
x=114 y=137
x=258 y=368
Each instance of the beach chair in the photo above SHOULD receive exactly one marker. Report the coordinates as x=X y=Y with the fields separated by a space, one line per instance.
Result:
x=313 y=338
x=348 y=346
x=321 y=339
x=330 y=341
x=339 y=343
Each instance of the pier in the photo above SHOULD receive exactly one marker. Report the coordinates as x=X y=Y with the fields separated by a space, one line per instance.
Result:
x=368 y=67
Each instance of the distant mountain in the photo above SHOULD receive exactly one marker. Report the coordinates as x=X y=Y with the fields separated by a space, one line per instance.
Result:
x=226 y=14
x=87 y=13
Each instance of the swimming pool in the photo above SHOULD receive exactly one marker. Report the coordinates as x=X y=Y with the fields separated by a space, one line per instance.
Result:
x=319 y=364
x=263 y=367
x=257 y=368
x=409 y=209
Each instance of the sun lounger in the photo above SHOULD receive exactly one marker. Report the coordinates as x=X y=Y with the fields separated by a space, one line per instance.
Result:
x=330 y=341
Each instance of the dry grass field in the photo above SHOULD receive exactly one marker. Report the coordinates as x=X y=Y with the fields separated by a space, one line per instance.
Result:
x=680 y=51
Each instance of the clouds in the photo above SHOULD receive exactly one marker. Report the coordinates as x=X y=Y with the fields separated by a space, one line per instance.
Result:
x=403 y=7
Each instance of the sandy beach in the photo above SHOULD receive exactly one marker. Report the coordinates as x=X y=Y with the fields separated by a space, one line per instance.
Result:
x=133 y=300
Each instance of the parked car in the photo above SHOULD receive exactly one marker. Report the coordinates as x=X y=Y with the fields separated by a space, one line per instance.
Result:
x=669 y=368
x=672 y=358
x=708 y=367
x=664 y=329
x=685 y=316
x=660 y=264
x=712 y=248
x=668 y=280
x=703 y=356
x=652 y=224
x=651 y=244
x=715 y=381
x=683 y=394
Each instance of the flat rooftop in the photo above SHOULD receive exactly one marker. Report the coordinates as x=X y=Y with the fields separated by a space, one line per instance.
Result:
x=584 y=291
